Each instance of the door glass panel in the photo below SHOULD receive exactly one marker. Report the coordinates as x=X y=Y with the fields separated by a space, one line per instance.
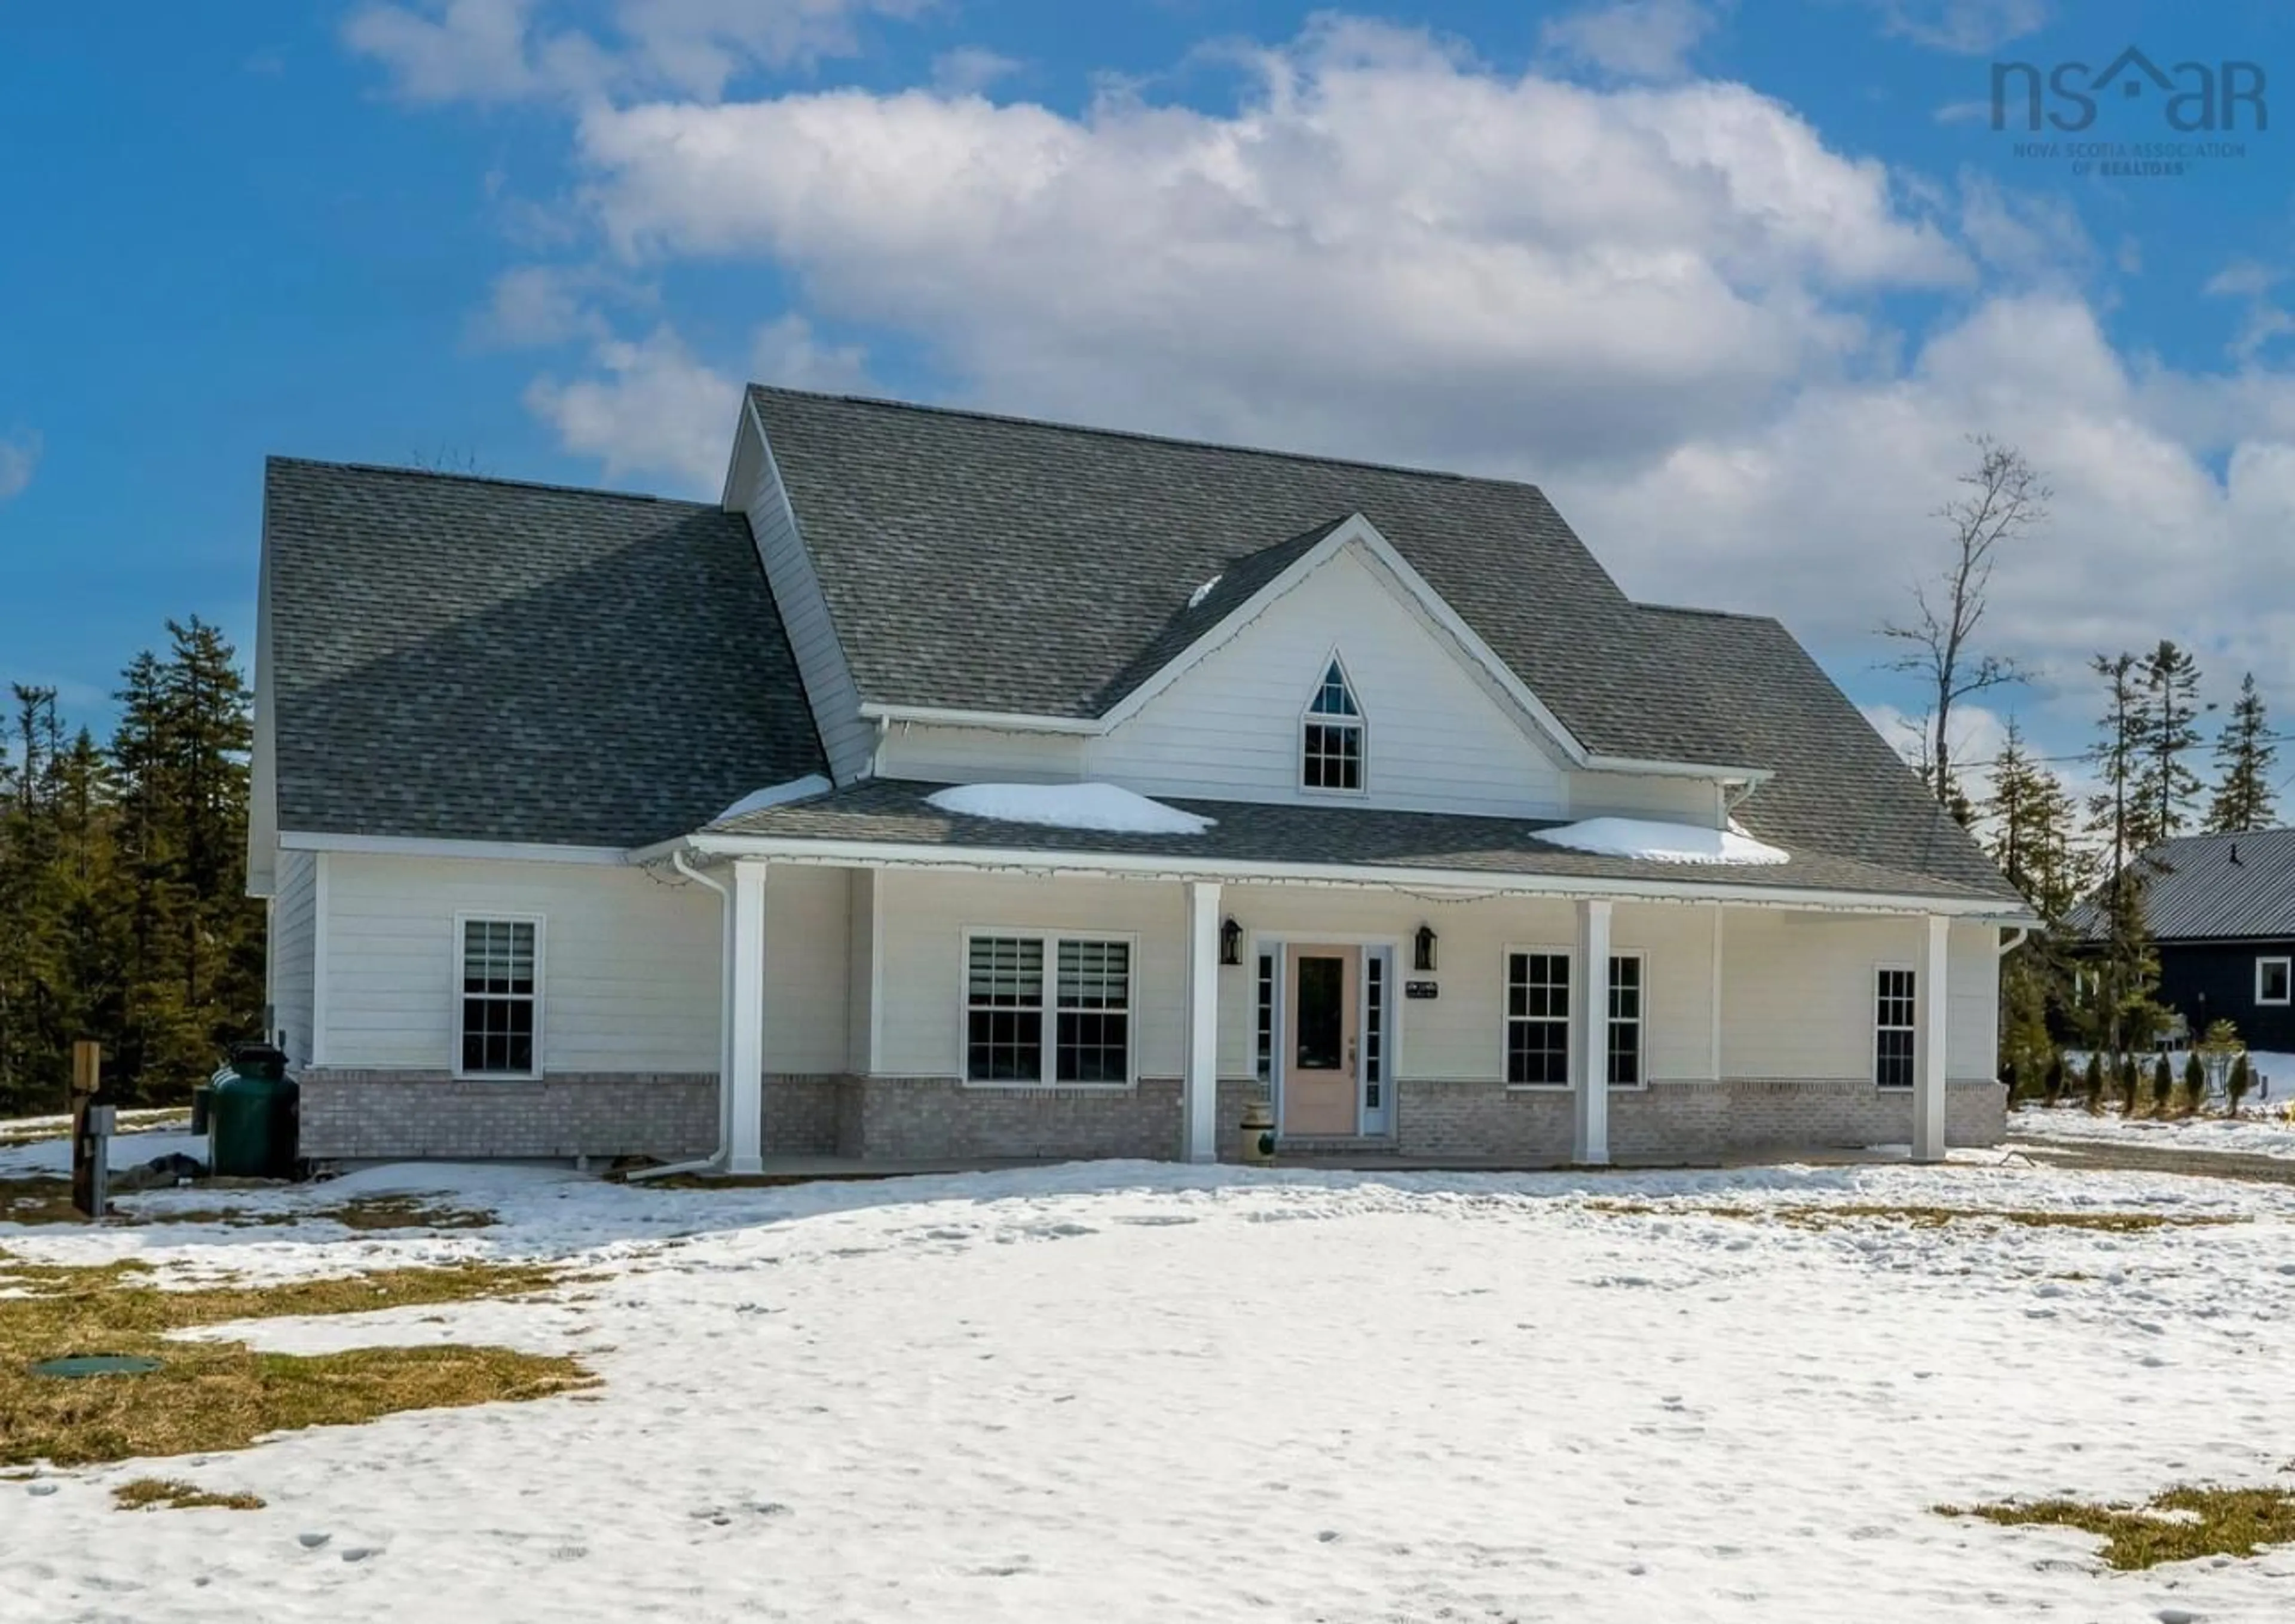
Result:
x=1322 y=1015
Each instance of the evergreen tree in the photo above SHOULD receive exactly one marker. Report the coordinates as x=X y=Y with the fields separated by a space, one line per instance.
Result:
x=2244 y=759
x=2091 y=1083
x=2119 y=822
x=2169 y=732
x=2163 y=1086
x=2195 y=1084
x=2237 y=1084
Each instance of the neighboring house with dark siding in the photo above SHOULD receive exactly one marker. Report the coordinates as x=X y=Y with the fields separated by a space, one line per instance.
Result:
x=960 y=787
x=2221 y=912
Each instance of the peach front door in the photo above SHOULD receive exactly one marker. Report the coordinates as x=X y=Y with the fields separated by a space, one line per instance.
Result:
x=1320 y=1090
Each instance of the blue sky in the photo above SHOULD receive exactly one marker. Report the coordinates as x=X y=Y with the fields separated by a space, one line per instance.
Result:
x=1731 y=281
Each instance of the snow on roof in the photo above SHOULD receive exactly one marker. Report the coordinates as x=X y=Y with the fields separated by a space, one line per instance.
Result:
x=775 y=795
x=1195 y=599
x=1103 y=807
x=1661 y=842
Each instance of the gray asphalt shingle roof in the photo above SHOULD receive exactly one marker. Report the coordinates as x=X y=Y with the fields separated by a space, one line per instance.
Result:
x=984 y=563
x=2196 y=892
x=475 y=659
x=892 y=811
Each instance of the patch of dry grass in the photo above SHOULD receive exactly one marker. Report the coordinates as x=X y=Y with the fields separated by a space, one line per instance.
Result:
x=1811 y=1216
x=48 y=1201
x=2180 y=1525
x=38 y=1200
x=174 y=1494
x=223 y=1395
x=362 y=1212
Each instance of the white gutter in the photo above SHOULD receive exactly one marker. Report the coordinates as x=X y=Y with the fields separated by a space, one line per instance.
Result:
x=844 y=854
x=716 y=1161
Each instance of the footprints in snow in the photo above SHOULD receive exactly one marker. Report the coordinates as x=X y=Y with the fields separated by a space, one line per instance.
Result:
x=725 y=1516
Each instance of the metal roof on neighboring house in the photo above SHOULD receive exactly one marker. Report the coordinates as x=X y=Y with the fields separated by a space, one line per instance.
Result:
x=467 y=658
x=2197 y=892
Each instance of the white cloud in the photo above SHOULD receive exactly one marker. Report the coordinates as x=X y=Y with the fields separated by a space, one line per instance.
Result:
x=518 y=50
x=1645 y=39
x=652 y=406
x=1386 y=251
x=656 y=409
x=968 y=71
x=1970 y=28
x=532 y=307
x=2264 y=319
x=18 y=456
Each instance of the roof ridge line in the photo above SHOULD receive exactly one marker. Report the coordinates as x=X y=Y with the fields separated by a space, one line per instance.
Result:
x=1103 y=432
x=278 y=460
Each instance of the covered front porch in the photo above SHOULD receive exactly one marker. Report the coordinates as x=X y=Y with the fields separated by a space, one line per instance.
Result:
x=989 y=1011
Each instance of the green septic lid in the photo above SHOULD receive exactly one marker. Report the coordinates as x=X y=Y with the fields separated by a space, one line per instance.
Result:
x=97 y=1364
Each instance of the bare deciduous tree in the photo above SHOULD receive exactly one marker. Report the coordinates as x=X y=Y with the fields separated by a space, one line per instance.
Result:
x=2001 y=496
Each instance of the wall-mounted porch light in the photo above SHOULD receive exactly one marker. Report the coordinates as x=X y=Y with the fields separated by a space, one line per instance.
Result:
x=1424 y=959
x=1230 y=942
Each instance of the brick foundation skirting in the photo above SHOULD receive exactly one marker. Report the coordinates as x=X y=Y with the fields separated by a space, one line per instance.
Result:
x=1684 y=1122
x=371 y=1114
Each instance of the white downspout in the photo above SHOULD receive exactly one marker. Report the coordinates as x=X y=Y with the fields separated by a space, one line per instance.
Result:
x=715 y=1160
x=2010 y=943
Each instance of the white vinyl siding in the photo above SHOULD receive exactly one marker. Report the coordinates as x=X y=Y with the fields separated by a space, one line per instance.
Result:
x=631 y=971
x=928 y=918
x=1797 y=993
x=845 y=736
x=292 y=950
x=1230 y=725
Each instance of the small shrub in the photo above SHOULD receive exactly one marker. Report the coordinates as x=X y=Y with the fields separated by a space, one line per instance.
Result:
x=2128 y=1085
x=2092 y=1085
x=2054 y=1087
x=2236 y=1085
x=2163 y=1085
x=2195 y=1085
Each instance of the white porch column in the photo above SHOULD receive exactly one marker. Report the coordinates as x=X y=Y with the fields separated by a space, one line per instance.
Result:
x=1928 y=1085
x=1199 y=1087
x=1590 y=1036
x=745 y=1040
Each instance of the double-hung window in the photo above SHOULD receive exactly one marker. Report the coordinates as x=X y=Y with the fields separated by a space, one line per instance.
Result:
x=1538 y=1020
x=500 y=971
x=1625 y=1021
x=1895 y=1015
x=1046 y=1008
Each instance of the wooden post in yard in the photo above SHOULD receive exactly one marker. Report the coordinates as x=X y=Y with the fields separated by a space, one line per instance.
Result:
x=87 y=1076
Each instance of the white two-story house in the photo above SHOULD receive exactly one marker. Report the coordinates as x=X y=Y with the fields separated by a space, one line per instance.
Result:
x=962 y=788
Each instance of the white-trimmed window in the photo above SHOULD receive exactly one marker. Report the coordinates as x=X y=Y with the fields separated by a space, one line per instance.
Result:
x=1626 y=991
x=499 y=970
x=1046 y=1008
x=1538 y=1019
x=1331 y=736
x=1896 y=1014
x=2275 y=981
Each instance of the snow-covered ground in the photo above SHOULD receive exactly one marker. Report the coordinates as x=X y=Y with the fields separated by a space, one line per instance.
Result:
x=2252 y=1133
x=1129 y=1391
